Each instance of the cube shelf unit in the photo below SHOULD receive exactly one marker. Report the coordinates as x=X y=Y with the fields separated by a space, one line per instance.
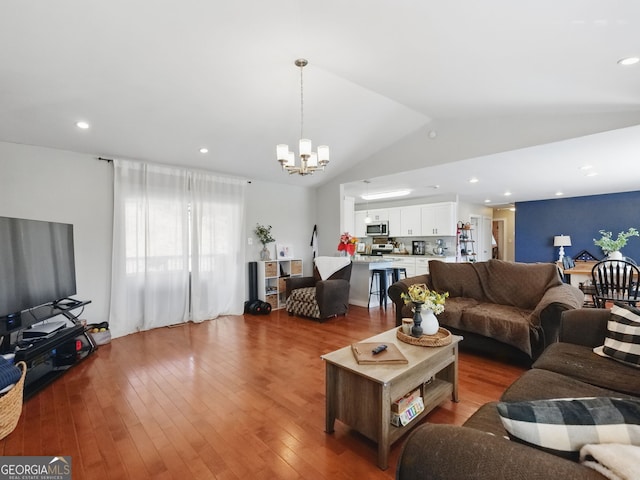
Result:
x=272 y=274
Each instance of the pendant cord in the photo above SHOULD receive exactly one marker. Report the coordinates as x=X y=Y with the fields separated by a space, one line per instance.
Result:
x=301 y=103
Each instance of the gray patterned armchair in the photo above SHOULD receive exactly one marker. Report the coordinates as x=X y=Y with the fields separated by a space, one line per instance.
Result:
x=319 y=299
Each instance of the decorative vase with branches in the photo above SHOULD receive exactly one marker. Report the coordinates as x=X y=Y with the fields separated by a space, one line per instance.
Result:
x=610 y=246
x=264 y=235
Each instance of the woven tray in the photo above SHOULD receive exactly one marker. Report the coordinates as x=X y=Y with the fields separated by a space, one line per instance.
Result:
x=440 y=339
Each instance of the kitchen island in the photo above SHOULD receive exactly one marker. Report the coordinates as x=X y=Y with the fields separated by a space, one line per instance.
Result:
x=363 y=264
x=361 y=278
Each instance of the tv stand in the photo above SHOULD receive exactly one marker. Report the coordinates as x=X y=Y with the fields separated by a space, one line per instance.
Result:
x=49 y=356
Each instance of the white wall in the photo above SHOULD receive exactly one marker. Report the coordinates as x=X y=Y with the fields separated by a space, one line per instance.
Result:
x=59 y=186
x=291 y=213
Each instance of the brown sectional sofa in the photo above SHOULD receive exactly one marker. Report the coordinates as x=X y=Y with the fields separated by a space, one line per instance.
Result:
x=497 y=305
x=567 y=369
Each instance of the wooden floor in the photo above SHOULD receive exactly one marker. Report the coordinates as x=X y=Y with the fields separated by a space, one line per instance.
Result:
x=233 y=398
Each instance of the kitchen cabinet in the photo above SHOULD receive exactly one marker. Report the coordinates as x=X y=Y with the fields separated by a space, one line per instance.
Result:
x=422 y=265
x=379 y=215
x=410 y=221
x=438 y=219
x=395 y=227
x=403 y=261
x=360 y=228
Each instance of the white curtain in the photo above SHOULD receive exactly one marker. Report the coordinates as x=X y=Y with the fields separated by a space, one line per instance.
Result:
x=217 y=248
x=170 y=263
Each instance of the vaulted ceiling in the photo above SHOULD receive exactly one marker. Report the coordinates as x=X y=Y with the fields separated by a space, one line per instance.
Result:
x=158 y=80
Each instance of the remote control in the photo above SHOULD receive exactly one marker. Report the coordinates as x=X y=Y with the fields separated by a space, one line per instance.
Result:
x=378 y=349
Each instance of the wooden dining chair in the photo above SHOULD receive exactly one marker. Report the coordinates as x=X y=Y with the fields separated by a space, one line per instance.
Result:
x=615 y=280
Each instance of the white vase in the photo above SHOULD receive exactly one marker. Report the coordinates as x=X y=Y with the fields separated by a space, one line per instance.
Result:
x=617 y=255
x=430 y=323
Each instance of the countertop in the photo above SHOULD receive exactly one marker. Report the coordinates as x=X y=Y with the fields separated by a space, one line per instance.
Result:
x=426 y=255
x=370 y=259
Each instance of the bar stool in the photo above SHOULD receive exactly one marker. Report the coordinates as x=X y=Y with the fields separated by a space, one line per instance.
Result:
x=396 y=273
x=380 y=276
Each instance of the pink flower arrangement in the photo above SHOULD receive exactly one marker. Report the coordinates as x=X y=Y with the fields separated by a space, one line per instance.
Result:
x=347 y=243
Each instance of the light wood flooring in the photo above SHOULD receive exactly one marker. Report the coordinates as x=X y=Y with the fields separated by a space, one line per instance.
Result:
x=238 y=397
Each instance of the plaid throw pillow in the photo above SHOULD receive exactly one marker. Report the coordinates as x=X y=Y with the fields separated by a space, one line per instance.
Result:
x=623 y=335
x=563 y=426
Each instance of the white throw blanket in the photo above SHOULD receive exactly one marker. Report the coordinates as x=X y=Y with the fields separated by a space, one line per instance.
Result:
x=613 y=460
x=327 y=266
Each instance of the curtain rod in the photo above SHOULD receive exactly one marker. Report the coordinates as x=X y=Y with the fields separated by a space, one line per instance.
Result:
x=110 y=160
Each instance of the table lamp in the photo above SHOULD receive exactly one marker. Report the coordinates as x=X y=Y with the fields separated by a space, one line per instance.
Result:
x=561 y=241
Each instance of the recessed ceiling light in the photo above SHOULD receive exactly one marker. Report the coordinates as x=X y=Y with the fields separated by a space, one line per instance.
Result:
x=82 y=125
x=473 y=180
x=487 y=201
x=629 y=61
x=204 y=150
x=559 y=194
x=591 y=174
x=378 y=196
x=507 y=194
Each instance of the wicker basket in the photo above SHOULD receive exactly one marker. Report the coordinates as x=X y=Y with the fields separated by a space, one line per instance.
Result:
x=11 y=405
x=440 y=339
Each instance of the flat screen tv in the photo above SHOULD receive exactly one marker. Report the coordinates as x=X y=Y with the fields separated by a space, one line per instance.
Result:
x=36 y=264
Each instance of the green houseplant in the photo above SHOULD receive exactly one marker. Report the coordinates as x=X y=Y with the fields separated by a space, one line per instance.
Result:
x=264 y=235
x=609 y=245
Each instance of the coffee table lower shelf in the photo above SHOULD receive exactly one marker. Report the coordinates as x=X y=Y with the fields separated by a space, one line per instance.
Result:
x=433 y=395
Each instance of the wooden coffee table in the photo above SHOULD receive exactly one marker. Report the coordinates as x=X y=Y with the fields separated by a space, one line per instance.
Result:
x=361 y=395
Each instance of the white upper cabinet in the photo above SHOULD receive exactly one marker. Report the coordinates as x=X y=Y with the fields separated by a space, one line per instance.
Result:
x=439 y=219
x=395 y=222
x=379 y=215
x=360 y=228
x=410 y=221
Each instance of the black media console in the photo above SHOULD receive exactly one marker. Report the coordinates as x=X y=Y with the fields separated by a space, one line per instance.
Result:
x=49 y=356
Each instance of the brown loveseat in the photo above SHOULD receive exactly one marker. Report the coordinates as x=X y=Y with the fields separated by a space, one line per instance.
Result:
x=479 y=449
x=497 y=305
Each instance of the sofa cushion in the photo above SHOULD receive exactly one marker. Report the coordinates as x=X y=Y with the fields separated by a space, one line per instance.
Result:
x=563 y=426
x=459 y=279
x=579 y=362
x=622 y=342
x=453 y=310
x=486 y=419
x=505 y=323
x=518 y=284
x=539 y=384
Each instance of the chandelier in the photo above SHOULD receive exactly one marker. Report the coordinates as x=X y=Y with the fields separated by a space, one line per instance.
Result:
x=309 y=161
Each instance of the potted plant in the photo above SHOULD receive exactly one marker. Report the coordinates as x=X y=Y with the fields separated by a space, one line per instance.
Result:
x=612 y=247
x=264 y=235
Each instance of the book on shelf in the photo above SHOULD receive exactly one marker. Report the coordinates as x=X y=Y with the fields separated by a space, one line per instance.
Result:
x=403 y=418
x=404 y=402
x=363 y=352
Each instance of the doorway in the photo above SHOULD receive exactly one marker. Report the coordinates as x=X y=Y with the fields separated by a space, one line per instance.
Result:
x=498 y=240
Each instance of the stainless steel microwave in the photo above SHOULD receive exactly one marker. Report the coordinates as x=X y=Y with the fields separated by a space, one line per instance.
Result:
x=378 y=229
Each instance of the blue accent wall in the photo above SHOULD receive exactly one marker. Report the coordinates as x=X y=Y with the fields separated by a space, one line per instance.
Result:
x=580 y=217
